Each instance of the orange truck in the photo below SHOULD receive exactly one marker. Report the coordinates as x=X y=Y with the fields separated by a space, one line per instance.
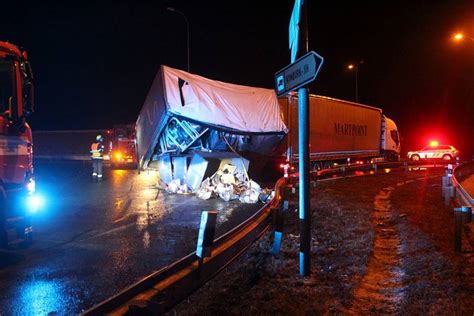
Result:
x=17 y=184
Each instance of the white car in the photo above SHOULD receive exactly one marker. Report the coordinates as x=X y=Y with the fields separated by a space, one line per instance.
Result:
x=445 y=152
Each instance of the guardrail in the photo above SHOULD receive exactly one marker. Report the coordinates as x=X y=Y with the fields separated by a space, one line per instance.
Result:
x=160 y=291
x=460 y=173
x=462 y=199
x=165 y=288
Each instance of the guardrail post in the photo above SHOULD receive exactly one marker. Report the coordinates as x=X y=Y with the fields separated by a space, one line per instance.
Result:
x=466 y=214
x=285 y=197
x=457 y=230
x=448 y=188
x=205 y=240
x=277 y=223
x=462 y=215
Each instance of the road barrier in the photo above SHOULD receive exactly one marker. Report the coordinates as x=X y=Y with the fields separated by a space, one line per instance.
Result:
x=462 y=199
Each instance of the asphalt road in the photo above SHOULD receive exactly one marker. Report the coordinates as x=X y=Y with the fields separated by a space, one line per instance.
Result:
x=93 y=239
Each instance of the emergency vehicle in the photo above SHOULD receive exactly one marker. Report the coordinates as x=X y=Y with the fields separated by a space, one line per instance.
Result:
x=122 y=146
x=17 y=185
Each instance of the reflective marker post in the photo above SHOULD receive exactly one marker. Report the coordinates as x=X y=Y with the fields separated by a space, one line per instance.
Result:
x=207 y=228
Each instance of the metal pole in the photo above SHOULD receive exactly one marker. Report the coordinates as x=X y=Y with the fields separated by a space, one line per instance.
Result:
x=304 y=201
x=187 y=41
x=171 y=9
x=356 y=83
x=303 y=145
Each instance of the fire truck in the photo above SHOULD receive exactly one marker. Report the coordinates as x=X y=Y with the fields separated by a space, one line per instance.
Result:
x=17 y=184
x=122 y=149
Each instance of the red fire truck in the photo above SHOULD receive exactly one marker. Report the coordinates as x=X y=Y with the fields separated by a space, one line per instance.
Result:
x=122 y=149
x=17 y=185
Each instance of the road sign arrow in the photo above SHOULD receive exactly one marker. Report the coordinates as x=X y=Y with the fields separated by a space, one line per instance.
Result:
x=303 y=71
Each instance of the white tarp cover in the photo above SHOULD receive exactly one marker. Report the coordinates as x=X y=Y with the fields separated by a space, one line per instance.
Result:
x=236 y=107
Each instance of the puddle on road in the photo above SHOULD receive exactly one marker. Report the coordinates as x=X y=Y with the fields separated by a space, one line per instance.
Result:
x=381 y=290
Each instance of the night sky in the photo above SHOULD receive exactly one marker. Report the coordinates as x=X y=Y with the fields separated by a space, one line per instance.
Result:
x=95 y=61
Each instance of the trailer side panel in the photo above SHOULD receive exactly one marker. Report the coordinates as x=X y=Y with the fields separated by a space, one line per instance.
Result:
x=338 y=129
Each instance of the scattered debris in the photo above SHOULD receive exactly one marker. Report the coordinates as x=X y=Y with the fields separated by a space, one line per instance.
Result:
x=175 y=186
x=230 y=184
x=227 y=183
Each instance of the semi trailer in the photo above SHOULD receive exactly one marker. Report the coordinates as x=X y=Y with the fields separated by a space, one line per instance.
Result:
x=17 y=184
x=339 y=130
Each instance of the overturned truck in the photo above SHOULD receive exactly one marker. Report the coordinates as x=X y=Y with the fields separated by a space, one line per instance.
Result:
x=190 y=126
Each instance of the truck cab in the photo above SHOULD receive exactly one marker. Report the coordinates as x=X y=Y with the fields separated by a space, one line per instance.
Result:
x=17 y=184
x=122 y=146
x=390 y=140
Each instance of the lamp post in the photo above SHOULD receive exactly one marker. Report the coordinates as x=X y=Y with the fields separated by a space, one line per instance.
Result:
x=356 y=71
x=171 y=9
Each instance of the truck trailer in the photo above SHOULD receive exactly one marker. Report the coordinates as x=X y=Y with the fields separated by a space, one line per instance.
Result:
x=17 y=184
x=339 y=130
x=186 y=114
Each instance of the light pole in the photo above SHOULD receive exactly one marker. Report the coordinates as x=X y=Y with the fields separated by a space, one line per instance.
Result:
x=171 y=9
x=356 y=71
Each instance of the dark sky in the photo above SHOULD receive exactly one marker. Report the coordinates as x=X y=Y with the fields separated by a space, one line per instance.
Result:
x=94 y=61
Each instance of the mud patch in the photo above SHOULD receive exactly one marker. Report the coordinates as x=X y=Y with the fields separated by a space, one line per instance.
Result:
x=381 y=289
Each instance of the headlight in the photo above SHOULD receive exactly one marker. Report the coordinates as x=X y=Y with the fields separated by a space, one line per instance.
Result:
x=34 y=203
x=31 y=186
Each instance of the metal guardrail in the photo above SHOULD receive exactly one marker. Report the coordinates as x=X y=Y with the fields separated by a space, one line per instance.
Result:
x=163 y=289
x=463 y=213
x=160 y=291
x=459 y=174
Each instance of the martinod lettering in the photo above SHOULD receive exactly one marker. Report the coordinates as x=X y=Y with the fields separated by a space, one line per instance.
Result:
x=347 y=129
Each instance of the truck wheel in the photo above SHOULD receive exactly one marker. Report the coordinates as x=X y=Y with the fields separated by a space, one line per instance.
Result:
x=415 y=158
x=3 y=216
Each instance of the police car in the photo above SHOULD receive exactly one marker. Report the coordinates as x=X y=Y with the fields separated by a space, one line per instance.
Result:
x=434 y=151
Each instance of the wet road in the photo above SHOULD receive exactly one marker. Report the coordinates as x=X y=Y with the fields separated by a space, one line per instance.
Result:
x=93 y=239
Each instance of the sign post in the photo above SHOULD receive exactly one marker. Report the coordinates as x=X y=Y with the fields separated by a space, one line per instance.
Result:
x=296 y=76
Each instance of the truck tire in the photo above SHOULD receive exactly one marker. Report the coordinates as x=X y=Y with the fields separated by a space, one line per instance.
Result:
x=3 y=218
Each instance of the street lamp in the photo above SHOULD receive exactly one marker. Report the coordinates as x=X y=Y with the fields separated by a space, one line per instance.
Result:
x=171 y=9
x=458 y=37
x=355 y=67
